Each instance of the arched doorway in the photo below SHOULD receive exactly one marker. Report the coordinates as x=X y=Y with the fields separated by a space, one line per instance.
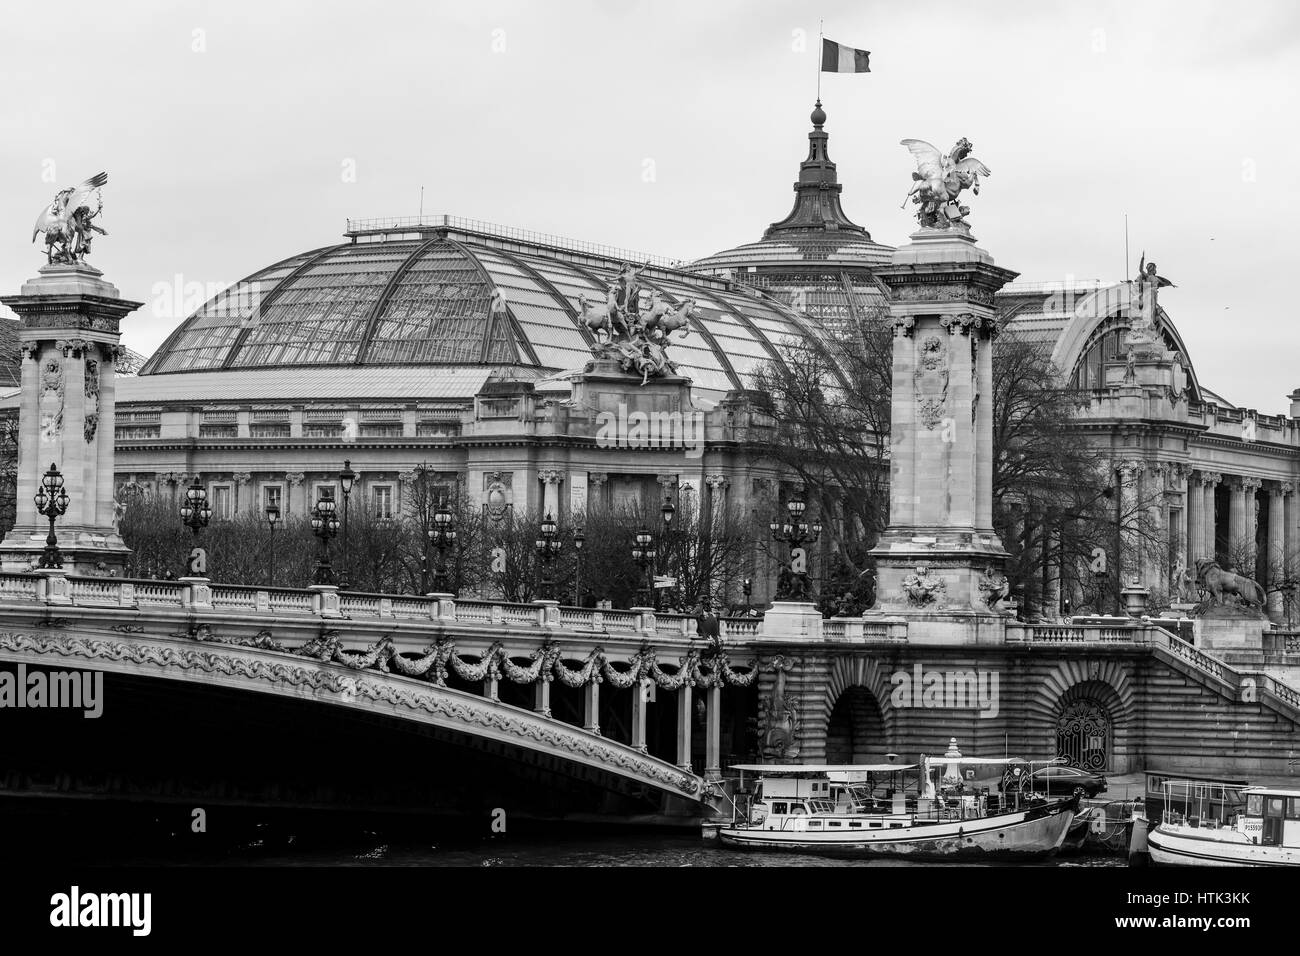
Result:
x=1084 y=733
x=855 y=732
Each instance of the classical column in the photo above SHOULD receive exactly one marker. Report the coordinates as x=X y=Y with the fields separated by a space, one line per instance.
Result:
x=490 y=688
x=1241 y=524
x=717 y=485
x=1236 y=516
x=1209 y=514
x=1130 y=474
x=638 y=715
x=1278 y=493
x=684 y=727
x=542 y=697
x=591 y=707
x=1195 y=520
x=551 y=479
x=713 y=734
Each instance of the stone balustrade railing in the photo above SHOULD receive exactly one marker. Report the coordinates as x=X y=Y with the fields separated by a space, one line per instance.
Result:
x=856 y=630
x=1076 y=634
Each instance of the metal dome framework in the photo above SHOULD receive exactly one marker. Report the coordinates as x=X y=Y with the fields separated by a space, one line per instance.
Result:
x=443 y=293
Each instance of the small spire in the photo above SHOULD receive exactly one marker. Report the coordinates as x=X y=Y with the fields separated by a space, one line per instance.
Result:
x=817 y=191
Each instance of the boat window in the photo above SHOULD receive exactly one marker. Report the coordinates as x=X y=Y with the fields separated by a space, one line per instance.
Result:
x=875 y=824
x=814 y=823
x=833 y=823
x=854 y=824
x=1254 y=805
x=1275 y=806
x=895 y=826
x=779 y=808
x=1293 y=808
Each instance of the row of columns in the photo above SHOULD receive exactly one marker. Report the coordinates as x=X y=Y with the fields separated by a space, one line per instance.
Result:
x=591 y=719
x=1192 y=527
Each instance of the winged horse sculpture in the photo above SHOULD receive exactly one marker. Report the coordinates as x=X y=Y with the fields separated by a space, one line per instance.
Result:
x=939 y=180
x=67 y=221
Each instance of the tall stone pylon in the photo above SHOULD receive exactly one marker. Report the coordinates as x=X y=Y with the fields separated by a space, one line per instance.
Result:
x=940 y=558
x=69 y=332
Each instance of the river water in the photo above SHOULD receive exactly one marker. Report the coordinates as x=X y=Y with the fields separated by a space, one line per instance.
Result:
x=633 y=850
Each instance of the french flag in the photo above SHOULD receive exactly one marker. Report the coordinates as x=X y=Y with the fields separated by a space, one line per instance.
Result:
x=838 y=58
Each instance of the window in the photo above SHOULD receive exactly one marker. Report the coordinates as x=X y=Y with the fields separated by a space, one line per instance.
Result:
x=779 y=808
x=381 y=429
x=1254 y=805
x=220 y=430
x=273 y=495
x=1293 y=808
x=382 y=497
x=222 y=498
x=320 y=486
x=323 y=430
x=269 y=429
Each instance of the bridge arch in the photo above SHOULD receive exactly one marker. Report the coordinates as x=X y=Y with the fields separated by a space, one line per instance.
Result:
x=288 y=675
x=858 y=726
x=1084 y=711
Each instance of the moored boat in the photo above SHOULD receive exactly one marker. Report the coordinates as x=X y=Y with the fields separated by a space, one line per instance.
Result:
x=1264 y=832
x=869 y=810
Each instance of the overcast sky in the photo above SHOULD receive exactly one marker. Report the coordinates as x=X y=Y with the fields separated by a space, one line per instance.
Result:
x=236 y=134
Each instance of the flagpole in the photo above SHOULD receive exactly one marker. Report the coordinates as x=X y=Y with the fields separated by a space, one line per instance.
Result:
x=817 y=59
x=1126 y=248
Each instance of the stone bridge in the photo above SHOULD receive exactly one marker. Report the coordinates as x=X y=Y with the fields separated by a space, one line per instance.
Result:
x=629 y=703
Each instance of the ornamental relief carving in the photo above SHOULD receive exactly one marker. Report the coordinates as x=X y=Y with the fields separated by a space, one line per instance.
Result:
x=930 y=381
x=50 y=402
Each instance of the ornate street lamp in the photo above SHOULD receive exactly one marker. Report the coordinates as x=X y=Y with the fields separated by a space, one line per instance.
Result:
x=195 y=513
x=667 y=511
x=795 y=532
x=747 y=589
x=579 y=539
x=347 y=477
x=272 y=519
x=442 y=536
x=643 y=553
x=324 y=525
x=51 y=501
x=547 y=545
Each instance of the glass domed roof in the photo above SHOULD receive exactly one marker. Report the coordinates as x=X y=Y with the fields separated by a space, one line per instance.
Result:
x=447 y=292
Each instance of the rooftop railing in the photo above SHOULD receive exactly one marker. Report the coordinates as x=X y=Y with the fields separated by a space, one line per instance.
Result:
x=357 y=227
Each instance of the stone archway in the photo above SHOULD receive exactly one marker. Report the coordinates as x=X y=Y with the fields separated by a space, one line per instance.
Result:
x=1084 y=711
x=1084 y=732
x=857 y=718
x=855 y=732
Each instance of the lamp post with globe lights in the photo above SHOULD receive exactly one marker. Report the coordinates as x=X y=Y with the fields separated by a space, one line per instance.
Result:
x=547 y=546
x=347 y=478
x=272 y=519
x=324 y=525
x=795 y=532
x=442 y=536
x=52 y=502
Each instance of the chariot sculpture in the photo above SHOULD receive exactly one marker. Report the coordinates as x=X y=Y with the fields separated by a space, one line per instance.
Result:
x=632 y=327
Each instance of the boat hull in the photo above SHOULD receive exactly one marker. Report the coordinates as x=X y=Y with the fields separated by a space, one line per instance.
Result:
x=1031 y=833
x=1183 y=847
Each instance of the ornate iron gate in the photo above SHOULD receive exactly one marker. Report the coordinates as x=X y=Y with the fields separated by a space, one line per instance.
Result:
x=1083 y=735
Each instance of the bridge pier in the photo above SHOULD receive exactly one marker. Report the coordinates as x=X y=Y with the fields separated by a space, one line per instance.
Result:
x=713 y=734
x=684 y=727
x=638 y=716
x=591 y=707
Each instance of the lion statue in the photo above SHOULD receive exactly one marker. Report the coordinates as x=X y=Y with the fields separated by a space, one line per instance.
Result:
x=1219 y=583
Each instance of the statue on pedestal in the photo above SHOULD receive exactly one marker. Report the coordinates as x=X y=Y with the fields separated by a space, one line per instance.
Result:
x=939 y=180
x=1143 y=328
x=1221 y=585
x=67 y=221
x=636 y=336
